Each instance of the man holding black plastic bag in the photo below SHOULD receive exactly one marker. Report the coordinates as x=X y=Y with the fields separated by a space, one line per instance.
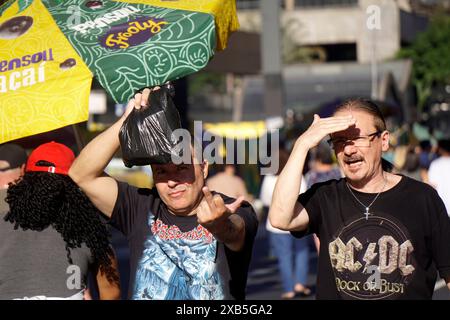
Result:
x=185 y=241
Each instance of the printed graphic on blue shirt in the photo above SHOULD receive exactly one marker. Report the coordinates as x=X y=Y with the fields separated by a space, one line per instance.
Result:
x=179 y=265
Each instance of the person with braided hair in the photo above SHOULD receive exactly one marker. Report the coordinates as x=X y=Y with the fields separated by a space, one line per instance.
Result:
x=53 y=236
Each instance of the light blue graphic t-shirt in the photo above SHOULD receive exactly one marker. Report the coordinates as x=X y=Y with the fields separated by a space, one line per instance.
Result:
x=173 y=257
x=181 y=266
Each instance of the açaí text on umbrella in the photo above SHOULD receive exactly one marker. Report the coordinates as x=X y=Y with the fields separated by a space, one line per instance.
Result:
x=25 y=77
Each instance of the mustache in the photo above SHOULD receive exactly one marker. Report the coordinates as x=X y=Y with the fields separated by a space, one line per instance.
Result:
x=352 y=158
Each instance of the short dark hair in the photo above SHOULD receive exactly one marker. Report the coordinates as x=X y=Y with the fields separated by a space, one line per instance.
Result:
x=444 y=144
x=412 y=161
x=14 y=154
x=425 y=145
x=283 y=155
x=323 y=154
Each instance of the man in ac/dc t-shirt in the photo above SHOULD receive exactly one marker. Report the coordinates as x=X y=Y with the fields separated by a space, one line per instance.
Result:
x=382 y=236
x=392 y=254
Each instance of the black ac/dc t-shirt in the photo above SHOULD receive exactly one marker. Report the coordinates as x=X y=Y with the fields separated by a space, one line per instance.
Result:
x=175 y=258
x=394 y=254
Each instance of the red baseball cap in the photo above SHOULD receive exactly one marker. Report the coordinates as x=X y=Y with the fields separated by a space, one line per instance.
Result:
x=56 y=153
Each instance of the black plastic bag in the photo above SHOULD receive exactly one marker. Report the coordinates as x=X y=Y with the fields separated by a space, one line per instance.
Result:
x=146 y=134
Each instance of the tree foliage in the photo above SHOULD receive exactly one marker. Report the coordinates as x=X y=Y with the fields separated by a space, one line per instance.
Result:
x=430 y=53
x=205 y=81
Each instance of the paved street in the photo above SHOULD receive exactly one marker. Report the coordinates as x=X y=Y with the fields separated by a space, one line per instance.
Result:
x=263 y=280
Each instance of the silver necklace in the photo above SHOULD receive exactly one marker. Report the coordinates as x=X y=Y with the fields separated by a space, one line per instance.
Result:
x=374 y=199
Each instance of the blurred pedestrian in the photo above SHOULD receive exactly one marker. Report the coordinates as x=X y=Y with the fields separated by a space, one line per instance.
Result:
x=322 y=169
x=228 y=183
x=292 y=254
x=411 y=165
x=439 y=172
x=426 y=155
x=13 y=159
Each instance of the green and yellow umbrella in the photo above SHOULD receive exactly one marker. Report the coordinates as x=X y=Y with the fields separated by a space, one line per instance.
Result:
x=51 y=49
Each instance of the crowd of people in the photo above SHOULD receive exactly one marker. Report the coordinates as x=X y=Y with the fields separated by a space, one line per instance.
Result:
x=379 y=233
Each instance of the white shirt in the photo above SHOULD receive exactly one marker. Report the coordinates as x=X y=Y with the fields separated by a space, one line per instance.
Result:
x=439 y=177
x=266 y=193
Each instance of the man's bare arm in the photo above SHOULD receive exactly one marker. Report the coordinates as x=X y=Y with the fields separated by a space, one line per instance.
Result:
x=87 y=169
x=285 y=211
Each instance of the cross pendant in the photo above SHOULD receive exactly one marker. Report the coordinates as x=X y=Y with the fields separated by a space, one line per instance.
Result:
x=367 y=213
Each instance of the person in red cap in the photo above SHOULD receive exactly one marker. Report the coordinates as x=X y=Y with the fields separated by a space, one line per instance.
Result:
x=52 y=235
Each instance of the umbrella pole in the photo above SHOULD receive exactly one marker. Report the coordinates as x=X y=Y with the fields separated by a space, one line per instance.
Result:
x=78 y=138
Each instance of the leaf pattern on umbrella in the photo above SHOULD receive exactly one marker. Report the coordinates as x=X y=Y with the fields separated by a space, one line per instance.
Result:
x=178 y=49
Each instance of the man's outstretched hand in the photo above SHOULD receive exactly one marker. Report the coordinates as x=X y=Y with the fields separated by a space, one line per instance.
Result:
x=219 y=219
x=212 y=211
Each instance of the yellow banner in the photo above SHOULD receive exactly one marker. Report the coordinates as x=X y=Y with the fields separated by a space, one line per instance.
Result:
x=44 y=84
x=237 y=130
x=224 y=12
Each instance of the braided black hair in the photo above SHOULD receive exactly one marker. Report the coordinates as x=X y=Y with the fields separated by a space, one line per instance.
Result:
x=39 y=200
